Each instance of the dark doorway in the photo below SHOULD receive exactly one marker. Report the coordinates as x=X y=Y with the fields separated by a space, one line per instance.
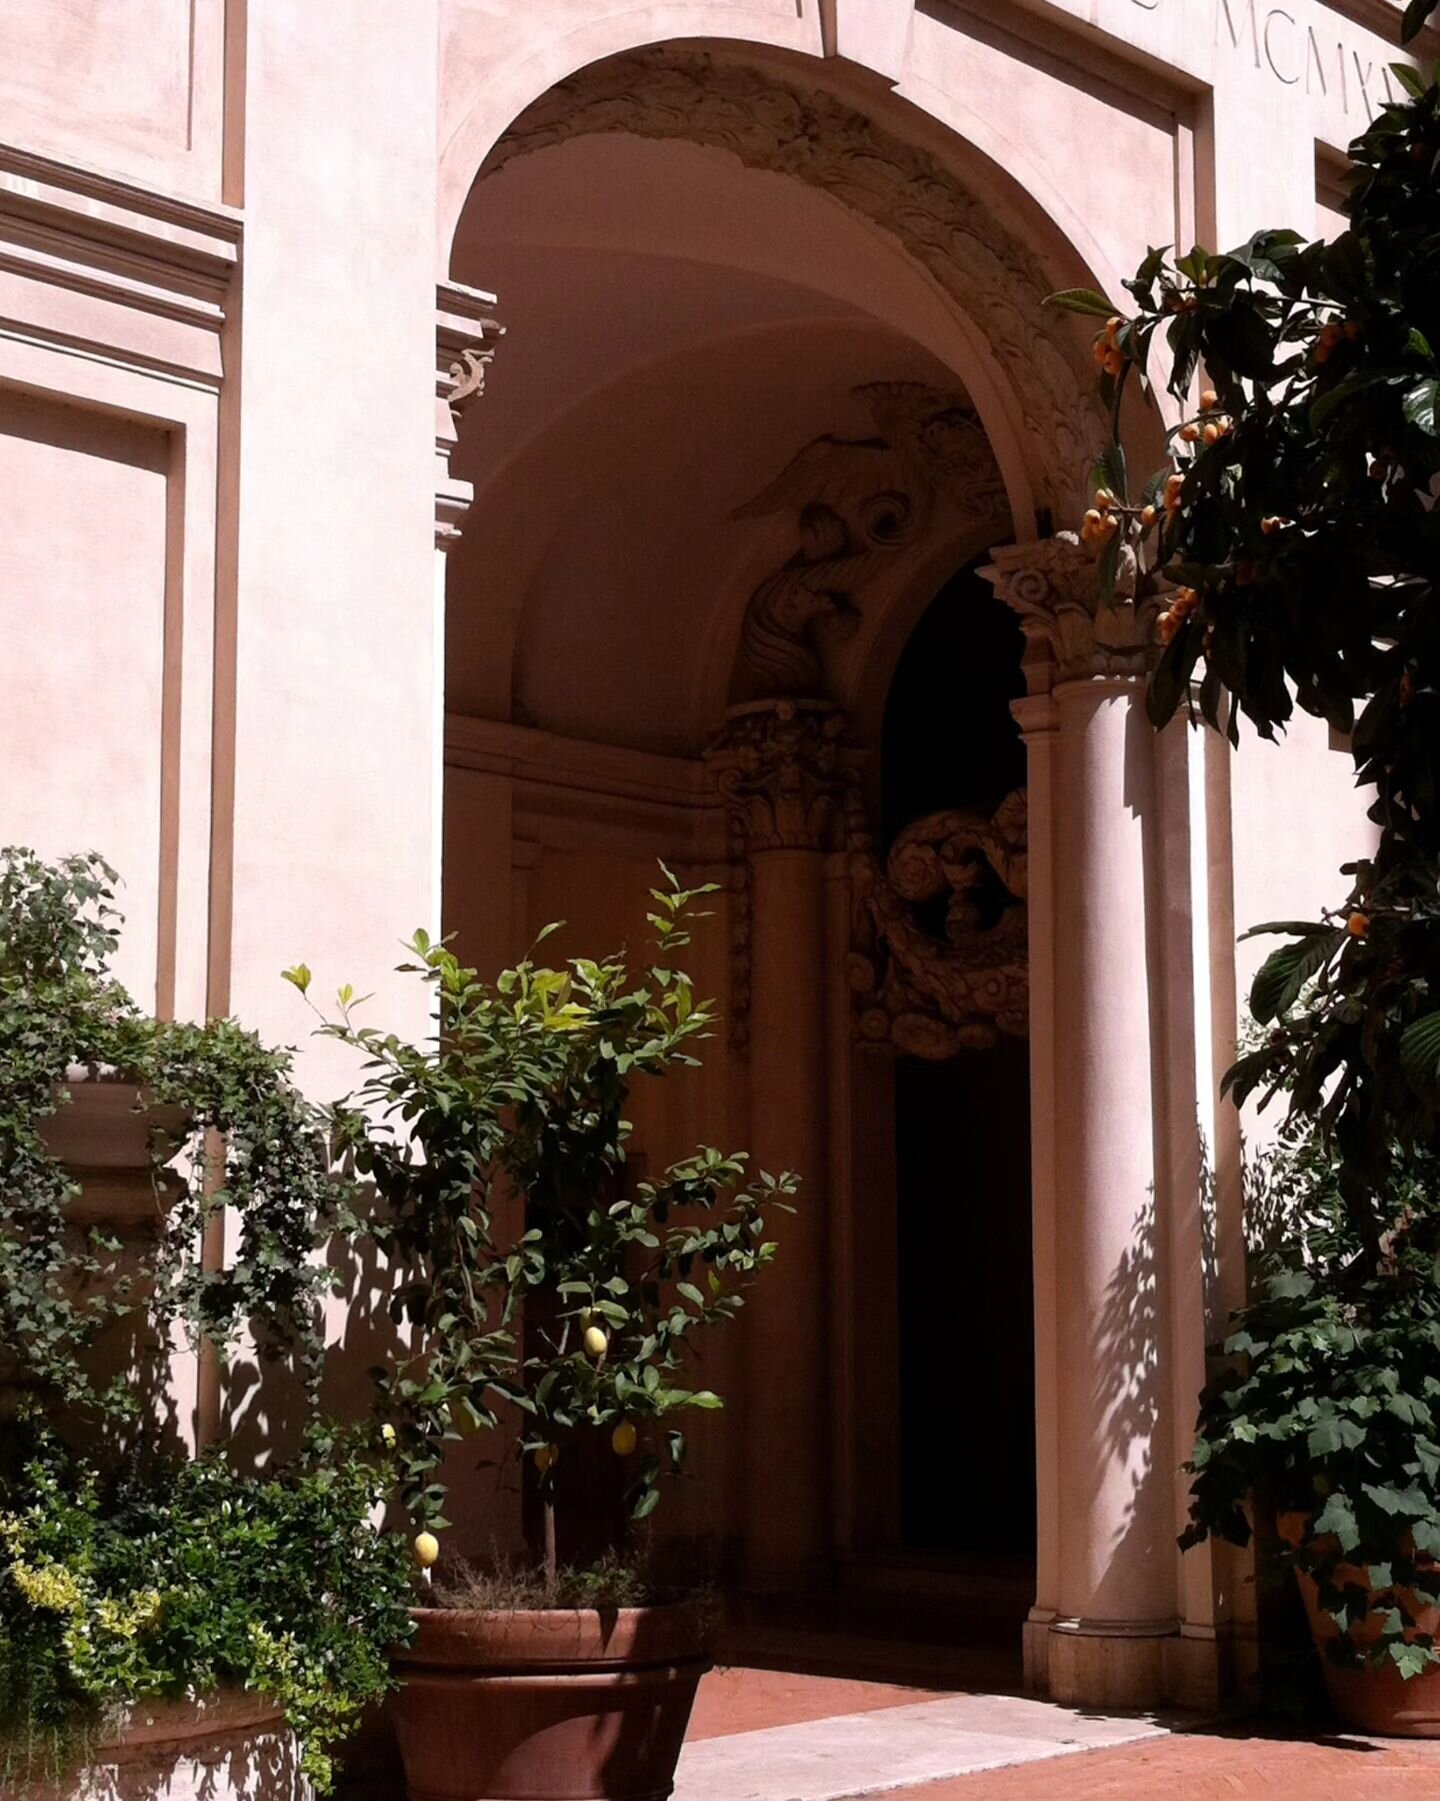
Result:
x=962 y=1127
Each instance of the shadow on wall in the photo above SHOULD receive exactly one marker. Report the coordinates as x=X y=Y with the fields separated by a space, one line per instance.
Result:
x=1128 y=1394
x=264 y=1400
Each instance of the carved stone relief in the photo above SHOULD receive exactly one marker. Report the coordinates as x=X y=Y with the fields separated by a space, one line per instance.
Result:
x=817 y=138
x=1070 y=634
x=855 y=503
x=935 y=986
x=464 y=331
x=789 y=777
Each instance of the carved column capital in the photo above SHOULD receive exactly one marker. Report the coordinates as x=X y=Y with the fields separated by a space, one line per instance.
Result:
x=464 y=328
x=1070 y=634
x=788 y=774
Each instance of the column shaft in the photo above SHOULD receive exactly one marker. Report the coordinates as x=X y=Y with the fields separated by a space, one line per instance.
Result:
x=785 y=1324
x=1116 y=1595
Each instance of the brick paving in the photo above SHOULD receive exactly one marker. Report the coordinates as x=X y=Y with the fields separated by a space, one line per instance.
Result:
x=1249 y=1761
x=1233 y=1766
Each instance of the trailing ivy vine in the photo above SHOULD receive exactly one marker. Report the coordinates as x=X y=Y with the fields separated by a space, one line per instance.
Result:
x=61 y=1007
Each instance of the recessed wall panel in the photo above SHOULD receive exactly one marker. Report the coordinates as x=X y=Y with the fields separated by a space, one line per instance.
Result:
x=83 y=506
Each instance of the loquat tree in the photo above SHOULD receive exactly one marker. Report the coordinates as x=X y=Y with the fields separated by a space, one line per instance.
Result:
x=1295 y=536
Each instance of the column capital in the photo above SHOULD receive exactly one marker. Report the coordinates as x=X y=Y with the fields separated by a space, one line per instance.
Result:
x=789 y=775
x=1071 y=635
x=464 y=327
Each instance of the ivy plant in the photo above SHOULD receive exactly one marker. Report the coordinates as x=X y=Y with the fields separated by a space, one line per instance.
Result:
x=582 y=1318
x=61 y=1007
x=1294 y=535
x=124 y=1576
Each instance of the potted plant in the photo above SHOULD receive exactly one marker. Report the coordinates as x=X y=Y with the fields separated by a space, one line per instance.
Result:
x=169 y=1625
x=158 y=1614
x=566 y=1681
x=1325 y=1416
x=122 y=1137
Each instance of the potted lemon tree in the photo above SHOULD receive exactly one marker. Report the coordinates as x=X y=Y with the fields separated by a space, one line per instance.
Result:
x=576 y=1675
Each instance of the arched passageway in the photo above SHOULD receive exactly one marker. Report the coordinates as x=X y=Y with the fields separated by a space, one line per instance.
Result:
x=778 y=367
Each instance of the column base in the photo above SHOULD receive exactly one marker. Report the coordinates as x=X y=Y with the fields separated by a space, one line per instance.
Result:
x=1035 y=1649
x=1109 y=1663
x=1135 y=1664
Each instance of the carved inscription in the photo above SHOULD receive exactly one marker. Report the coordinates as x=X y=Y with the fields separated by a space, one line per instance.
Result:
x=1298 y=55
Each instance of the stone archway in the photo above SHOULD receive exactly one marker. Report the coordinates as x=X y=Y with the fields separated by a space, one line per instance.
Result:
x=994 y=278
x=578 y=729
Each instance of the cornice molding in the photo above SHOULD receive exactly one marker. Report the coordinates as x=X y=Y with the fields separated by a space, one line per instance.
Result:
x=541 y=759
x=125 y=250
x=465 y=329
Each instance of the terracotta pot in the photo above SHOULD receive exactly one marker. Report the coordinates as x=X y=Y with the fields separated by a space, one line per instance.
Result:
x=223 y=1747
x=1380 y=1700
x=559 y=1705
x=103 y=1136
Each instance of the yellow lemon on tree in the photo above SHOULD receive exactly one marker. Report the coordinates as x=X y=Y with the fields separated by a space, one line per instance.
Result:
x=387 y=1434
x=596 y=1343
x=622 y=1439
x=426 y=1549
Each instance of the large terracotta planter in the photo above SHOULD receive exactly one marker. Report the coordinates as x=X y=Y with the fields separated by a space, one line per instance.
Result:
x=560 y=1705
x=226 y=1747
x=1380 y=1700
x=103 y=1135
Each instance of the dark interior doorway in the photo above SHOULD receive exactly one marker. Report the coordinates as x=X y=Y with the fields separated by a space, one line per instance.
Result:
x=962 y=1128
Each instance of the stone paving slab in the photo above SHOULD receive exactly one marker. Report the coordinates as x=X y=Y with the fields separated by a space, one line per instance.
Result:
x=894 y=1748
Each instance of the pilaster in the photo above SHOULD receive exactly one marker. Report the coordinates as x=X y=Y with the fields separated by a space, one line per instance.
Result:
x=790 y=783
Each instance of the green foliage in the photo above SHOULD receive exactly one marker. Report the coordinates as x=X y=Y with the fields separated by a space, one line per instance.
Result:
x=61 y=1007
x=521 y=1093
x=1327 y=1405
x=185 y=1579
x=1300 y=544
x=122 y=1578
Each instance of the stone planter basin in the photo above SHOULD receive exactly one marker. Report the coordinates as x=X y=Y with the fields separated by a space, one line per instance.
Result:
x=103 y=1135
x=223 y=1747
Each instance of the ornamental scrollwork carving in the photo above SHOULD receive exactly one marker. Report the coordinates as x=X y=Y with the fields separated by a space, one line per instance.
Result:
x=463 y=378
x=788 y=776
x=1071 y=634
x=939 y=962
x=856 y=502
x=962 y=243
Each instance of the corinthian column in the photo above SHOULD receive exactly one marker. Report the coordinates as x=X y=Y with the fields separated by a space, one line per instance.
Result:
x=789 y=786
x=1107 y=1598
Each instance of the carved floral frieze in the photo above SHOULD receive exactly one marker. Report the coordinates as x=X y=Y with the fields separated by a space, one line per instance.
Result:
x=788 y=775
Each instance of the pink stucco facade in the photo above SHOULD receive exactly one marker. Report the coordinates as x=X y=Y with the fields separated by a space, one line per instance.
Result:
x=322 y=625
